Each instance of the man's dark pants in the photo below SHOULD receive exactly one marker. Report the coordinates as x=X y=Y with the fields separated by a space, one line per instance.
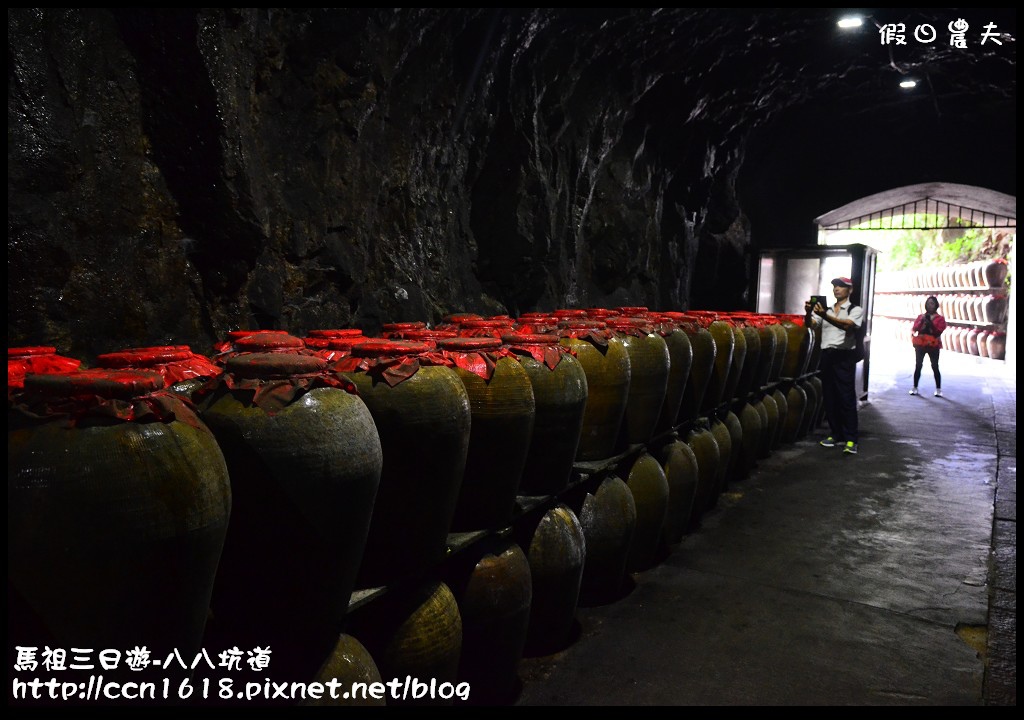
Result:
x=838 y=380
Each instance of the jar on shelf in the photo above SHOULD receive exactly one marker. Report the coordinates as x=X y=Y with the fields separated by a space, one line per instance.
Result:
x=766 y=359
x=502 y=411
x=995 y=272
x=727 y=452
x=796 y=406
x=118 y=503
x=752 y=357
x=771 y=427
x=725 y=347
x=818 y=409
x=349 y=662
x=739 y=359
x=608 y=518
x=649 y=370
x=560 y=398
x=606 y=362
x=737 y=468
x=996 y=309
x=422 y=412
x=972 y=341
x=680 y=351
x=811 y=391
x=754 y=427
x=680 y=465
x=701 y=367
x=556 y=550
x=493 y=588
x=983 y=337
x=783 y=405
x=781 y=349
x=997 y=345
x=647 y=482
x=798 y=346
x=416 y=633
x=705 y=447
x=305 y=462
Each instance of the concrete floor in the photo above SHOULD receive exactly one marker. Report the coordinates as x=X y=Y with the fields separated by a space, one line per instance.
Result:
x=885 y=578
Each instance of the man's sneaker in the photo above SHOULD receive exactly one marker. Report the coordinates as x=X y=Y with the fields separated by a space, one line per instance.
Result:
x=851 y=448
x=913 y=391
x=828 y=442
x=938 y=392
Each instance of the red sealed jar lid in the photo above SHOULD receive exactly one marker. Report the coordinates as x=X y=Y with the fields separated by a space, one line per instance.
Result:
x=141 y=357
x=340 y=333
x=278 y=340
x=564 y=313
x=582 y=324
x=469 y=344
x=487 y=323
x=323 y=342
x=268 y=366
x=626 y=323
x=694 y=320
x=101 y=382
x=315 y=343
x=543 y=347
x=485 y=328
x=176 y=363
x=423 y=335
x=456 y=318
x=36 y=359
x=398 y=326
x=159 y=348
x=633 y=310
x=382 y=347
x=239 y=334
x=529 y=339
x=19 y=352
x=347 y=343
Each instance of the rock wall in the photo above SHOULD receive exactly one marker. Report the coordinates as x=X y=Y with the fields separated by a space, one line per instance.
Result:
x=174 y=174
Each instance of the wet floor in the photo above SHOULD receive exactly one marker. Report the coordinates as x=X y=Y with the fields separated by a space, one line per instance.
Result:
x=829 y=579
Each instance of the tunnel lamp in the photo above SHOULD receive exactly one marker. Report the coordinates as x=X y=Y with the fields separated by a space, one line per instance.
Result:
x=908 y=84
x=850 y=22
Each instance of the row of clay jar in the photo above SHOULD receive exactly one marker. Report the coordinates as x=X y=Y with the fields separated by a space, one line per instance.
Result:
x=989 y=308
x=976 y=275
x=970 y=341
x=380 y=477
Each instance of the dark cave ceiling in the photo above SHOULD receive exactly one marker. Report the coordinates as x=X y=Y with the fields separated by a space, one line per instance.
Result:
x=820 y=108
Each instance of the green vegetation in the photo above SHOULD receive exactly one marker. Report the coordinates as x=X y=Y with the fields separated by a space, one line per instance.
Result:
x=951 y=242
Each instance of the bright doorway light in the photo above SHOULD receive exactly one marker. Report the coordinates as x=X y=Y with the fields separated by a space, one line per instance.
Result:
x=908 y=83
x=850 y=22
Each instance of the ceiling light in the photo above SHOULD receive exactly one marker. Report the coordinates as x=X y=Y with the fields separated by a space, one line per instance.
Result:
x=850 y=22
x=908 y=83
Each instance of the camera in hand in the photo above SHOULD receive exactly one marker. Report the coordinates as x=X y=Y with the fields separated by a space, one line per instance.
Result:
x=815 y=299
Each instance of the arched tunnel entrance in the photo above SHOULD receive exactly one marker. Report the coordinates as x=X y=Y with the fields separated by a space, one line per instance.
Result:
x=954 y=242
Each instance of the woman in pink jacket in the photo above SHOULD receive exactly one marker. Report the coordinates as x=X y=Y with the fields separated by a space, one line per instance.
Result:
x=927 y=328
